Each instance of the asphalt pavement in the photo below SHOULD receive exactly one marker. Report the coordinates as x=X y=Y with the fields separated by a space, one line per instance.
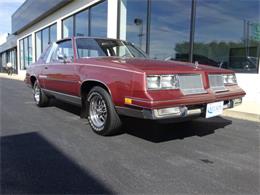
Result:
x=52 y=151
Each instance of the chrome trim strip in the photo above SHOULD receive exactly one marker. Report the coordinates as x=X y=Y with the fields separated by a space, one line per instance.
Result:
x=194 y=112
x=60 y=80
x=42 y=76
x=150 y=114
x=65 y=97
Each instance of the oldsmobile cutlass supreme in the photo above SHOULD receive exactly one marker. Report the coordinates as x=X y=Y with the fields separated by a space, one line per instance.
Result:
x=109 y=78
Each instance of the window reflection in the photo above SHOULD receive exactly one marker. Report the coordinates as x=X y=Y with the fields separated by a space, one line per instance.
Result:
x=81 y=23
x=228 y=34
x=29 y=50
x=38 y=44
x=21 y=54
x=170 y=27
x=68 y=27
x=8 y=56
x=99 y=20
x=26 y=53
x=43 y=38
x=53 y=33
x=25 y=46
x=136 y=20
x=96 y=25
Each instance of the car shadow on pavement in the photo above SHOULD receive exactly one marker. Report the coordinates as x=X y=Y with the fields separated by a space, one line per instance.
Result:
x=73 y=109
x=157 y=132
x=32 y=165
x=160 y=132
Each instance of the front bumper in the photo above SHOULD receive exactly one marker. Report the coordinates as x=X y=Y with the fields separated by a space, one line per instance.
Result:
x=181 y=112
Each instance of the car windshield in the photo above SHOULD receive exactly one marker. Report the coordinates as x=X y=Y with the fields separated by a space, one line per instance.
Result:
x=87 y=48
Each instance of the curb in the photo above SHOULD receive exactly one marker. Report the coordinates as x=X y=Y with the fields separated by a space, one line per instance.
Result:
x=242 y=115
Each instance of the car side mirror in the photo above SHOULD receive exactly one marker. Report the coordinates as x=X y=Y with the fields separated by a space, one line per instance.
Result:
x=63 y=58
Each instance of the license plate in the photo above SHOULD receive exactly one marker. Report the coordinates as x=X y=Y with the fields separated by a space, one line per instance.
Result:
x=214 y=109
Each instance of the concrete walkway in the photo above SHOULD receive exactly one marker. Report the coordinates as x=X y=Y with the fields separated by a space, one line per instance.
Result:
x=14 y=76
x=249 y=110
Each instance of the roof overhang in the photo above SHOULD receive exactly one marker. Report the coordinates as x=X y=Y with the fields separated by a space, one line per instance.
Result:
x=30 y=12
x=9 y=44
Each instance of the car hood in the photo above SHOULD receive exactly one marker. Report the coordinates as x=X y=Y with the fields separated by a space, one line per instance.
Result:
x=151 y=66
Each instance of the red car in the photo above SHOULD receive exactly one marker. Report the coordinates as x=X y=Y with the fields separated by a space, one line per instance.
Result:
x=109 y=78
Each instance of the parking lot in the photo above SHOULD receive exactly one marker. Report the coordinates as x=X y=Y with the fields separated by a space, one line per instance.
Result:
x=51 y=150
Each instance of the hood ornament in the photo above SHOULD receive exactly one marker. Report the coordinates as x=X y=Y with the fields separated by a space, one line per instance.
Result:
x=196 y=64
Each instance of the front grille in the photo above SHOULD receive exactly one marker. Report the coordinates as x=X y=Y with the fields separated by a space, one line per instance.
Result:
x=191 y=84
x=216 y=82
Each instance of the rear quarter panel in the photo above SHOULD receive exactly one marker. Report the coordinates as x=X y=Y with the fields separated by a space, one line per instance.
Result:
x=34 y=70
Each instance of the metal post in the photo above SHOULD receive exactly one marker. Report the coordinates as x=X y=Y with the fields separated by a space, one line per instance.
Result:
x=148 y=27
x=118 y=19
x=192 y=29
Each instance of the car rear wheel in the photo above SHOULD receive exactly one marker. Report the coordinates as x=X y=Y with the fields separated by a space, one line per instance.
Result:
x=102 y=115
x=39 y=97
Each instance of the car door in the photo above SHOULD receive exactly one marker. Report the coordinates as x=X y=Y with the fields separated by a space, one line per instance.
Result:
x=59 y=71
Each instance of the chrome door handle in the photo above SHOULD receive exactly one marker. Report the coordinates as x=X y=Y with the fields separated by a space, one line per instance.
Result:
x=45 y=67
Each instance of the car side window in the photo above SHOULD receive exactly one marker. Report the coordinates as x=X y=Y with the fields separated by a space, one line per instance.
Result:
x=47 y=53
x=88 y=48
x=63 y=52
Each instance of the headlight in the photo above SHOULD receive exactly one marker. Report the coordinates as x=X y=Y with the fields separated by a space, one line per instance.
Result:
x=162 y=82
x=153 y=82
x=229 y=79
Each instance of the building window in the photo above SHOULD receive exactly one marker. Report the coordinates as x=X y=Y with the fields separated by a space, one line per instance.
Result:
x=170 y=29
x=38 y=44
x=90 y=22
x=25 y=46
x=98 y=21
x=21 y=54
x=163 y=29
x=43 y=38
x=53 y=33
x=136 y=22
x=68 y=26
x=229 y=35
x=4 y=59
x=82 y=23
x=12 y=59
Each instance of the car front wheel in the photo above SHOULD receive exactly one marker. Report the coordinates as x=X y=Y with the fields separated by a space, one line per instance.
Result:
x=39 y=97
x=102 y=115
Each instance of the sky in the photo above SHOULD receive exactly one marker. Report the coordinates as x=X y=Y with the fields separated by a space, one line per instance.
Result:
x=7 y=8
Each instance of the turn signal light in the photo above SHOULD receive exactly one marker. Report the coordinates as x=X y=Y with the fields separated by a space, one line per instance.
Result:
x=128 y=101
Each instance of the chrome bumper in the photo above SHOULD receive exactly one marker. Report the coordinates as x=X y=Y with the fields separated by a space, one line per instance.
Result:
x=180 y=112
